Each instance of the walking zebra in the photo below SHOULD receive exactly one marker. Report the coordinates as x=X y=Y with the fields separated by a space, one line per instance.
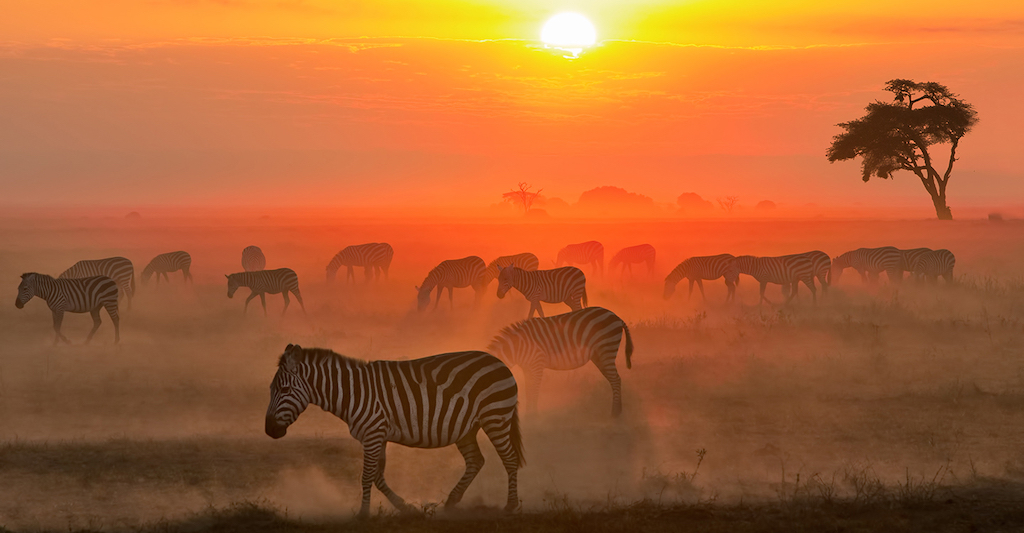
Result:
x=263 y=282
x=934 y=264
x=525 y=261
x=452 y=274
x=253 y=259
x=908 y=258
x=374 y=257
x=642 y=253
x=821 y=264
x=565 y=285
x=709 y=267
x=869 y=262
x=169 y=262
x=565 y=342
x=584 y=253
x=431 y=402
x=72 y=295
x=783 y=270
x=118 y=269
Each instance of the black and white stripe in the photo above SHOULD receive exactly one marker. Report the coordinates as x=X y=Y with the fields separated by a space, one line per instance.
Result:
x=565 y=285
x=72 y=295
x=565 y=342
x=935 y=263
x=909 y=257
x=118 y=269
x=821 y=264
x=708 y=267
x=374 y=257
x=627 y=257
x=263 y=282
x=584 y=253
x=452 y=274
x=525 y=261
x=168 y=262
x=422 y=403
x=786 y=270
x=869 y=262
x=253 y=259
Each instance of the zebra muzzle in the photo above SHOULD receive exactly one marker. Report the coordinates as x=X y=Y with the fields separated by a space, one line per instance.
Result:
x=18 y=303
x=275 y=430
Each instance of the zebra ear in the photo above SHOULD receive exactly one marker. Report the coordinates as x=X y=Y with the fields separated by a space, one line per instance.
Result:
x=227 y=276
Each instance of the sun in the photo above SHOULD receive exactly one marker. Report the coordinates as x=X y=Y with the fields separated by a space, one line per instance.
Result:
x=569 y=31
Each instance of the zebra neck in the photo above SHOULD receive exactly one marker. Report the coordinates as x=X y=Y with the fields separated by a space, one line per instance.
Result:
x=45 y=288
x=342 y=388
x=675 y=276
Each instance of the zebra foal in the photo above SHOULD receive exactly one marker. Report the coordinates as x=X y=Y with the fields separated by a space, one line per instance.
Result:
x=73 y=295
x=262 y=282
x=118 y=269
x=452 y=274
x=565 y=285
x=431 y=402
x=697 y=269
x=169 y=262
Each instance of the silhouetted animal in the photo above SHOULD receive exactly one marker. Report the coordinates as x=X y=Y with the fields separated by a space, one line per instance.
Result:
x=374 y=257
x=782 y=270
x=118 y=269
x=869 y=262
x=585 y=253
x=253 y=259
x=262 y=282
x=72 y=295
x=169 y=262
x=821 y=264
x=627 y=257
x=936 y=263
x=708 y=267
x=452 y=274
x=565 y=285
x=525 y=261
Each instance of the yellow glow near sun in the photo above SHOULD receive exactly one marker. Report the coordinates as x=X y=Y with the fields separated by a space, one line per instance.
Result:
x=568 y=31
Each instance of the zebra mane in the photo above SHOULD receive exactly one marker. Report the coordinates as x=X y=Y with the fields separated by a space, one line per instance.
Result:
x=509 y=330
x=27 y=274
x=316 y=355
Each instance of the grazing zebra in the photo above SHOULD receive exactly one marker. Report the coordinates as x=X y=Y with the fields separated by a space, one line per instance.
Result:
x=253 y=259
x=869 y=262
x=118 y=269
x=525 y=261
x=642 y=253
x=584 y=253
x=72 y=295
x=783 y=270
x=565 y=342
x=169 y=262
x=567 y=285
x=452 y=274
x=431 y=402
x=934 y=264
x=821 y=264
x=262 y=282
x=908 y=258
x=709 y=267
x=374 y=257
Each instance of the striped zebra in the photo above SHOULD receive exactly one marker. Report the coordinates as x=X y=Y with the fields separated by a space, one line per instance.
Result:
x=627 y=257
x=118 y=269
x=821 y=264
x=869 y=262
x=584 y=253
x=525 y=261
x=934 y=264
x=908 y=258
x=452 y=274
x=169 y=262
x=374 y=257
x=431 y=402
x=263 y=282
x=709 y=267
x=72 y=295
x=565 y=285
x=253 y=259
x=565 y=342
x=782 y=270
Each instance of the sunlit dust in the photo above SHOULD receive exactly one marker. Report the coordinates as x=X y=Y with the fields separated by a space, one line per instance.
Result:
x=569 y=31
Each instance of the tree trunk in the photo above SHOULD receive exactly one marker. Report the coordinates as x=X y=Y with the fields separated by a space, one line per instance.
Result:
x=941 y=209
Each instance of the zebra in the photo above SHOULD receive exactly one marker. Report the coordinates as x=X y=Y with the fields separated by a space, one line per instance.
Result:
x=169 y=262
x=452 y=274
x=525 y=261
x=584 y=253
x=374 y=257
x=72 y=295
x=118 y=269
x=869 y=262
x=783 y=270
x=262 y=282
x=709 y=267
x=253 y=259
x=908 y=258
x=642 y=253
x=565 y=342
x=821 y=264
x=567 y=285
x=934 y=264
x=431 y=402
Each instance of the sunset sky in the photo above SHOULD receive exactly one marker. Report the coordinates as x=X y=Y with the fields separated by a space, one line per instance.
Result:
x=448 y=103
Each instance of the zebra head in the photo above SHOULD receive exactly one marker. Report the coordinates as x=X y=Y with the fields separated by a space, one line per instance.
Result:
x=146 y=274
x=744 y=265
x=422 y=298
x=289 y=393
x=233 y=284
x=670 y=286
x=26 y=290
x=505 y=280
x=835 y=270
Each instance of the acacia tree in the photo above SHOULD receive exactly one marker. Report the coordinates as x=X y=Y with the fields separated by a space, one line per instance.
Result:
x=523 y=196
x=897 y=136
x=727 y=203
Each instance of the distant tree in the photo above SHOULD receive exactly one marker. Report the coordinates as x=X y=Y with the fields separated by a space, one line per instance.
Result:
x=897 y=136
x=765 y=205
x=727 y=203
x=692 y=203
x=523 y=196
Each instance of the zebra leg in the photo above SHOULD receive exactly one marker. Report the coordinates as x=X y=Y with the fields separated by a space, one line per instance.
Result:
x=167 y=278
x=382 y=485
x=186 y=274
x=700 y=285
x=451 y=298
x=247 y=300
x=438 y=300
x=284 y=293
x=534 y=377
x=607 y=367
x=470 y=450
x=263 y=300
x=95 y=323
x=503 y=433
x=689 y=293
x=350 y=273
x=58 y=318
x=372 y=450
x=112 y=313
x=731 y=294
x=810 y=287
x=299 y=298
x=764 y=285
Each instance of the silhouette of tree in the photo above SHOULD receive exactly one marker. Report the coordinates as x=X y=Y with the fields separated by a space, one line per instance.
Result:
x=523 y=196
x=897 y=136
x=727 y=203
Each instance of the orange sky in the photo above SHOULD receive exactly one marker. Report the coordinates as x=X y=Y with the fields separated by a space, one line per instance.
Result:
x=245 y=102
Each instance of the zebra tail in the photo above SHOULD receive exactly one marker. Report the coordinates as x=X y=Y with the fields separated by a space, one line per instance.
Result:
x=516 y=438
x=585 y=297
x=629 y=346
x=133 y=281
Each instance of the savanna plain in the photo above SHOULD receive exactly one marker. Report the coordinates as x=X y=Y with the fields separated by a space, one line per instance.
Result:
x=888 y=407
